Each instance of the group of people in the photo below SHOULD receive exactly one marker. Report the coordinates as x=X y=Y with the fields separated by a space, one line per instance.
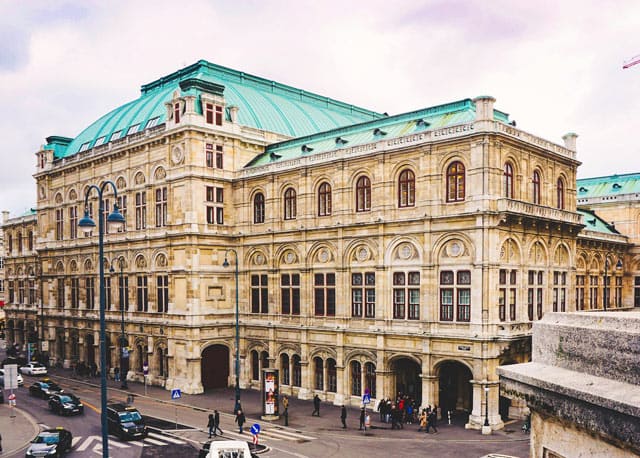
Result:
x=405 y=410
x=428 y=419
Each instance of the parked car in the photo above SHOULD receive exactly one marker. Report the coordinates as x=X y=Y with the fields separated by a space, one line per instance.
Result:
x=20 y=378
x=51 y=442
x=125 y=422
x=33 y=369
x=65 y=404
x=44 y=389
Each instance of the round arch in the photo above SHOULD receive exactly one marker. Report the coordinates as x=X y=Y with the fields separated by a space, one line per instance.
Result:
x=455 y=389
x=214 y=366
x=407 y=380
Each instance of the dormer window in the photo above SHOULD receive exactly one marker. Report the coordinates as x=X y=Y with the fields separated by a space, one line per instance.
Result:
x=99 y=141
x=176 y=112
x=116 y=135
x=213 y=114
x=84 y=147
x=133 y=129
x=616 y=186
x=152 y=122
x=379 y=132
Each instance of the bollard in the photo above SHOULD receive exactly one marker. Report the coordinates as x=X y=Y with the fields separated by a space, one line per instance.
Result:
x=449 y=415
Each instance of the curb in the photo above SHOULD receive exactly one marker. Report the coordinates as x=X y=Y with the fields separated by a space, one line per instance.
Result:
x=36 y=430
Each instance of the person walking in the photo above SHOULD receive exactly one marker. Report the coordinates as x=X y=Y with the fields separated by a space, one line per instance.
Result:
x=343 y=417
x=362 y=420
x=285 y=405
x=210 y=426
x=216 y=422
x=431 y=421
x=116 y=374
x=240 y=419
x=423 y=420
x=316 y=406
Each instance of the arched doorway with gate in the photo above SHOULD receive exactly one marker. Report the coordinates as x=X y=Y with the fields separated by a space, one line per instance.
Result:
x=214 y=367
x=406 y=374
x=455 y=389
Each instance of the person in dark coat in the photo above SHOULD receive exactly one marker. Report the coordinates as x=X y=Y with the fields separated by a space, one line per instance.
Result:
x=240 y=419
x=316 y=406
x=343 y=417
x=431 y=421
x=362 y=419
x=216 y=422
x=210 y=426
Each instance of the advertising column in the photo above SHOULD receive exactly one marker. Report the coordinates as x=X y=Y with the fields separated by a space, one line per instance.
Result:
x=270 y=392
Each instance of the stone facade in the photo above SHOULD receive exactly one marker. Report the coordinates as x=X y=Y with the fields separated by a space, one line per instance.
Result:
x=421 y=269
x=584 y=398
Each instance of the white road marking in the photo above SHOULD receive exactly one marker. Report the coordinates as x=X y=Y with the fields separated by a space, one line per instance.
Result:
x=167 y=438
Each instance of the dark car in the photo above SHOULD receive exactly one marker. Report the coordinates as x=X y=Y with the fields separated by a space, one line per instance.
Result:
x=65 y=404
x=51 y=442
x=125 y=422
x=44 y=389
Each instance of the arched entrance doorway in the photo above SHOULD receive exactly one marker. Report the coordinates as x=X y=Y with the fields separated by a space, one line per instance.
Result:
x=214 y=367
x=407 y=377
x=456 y=392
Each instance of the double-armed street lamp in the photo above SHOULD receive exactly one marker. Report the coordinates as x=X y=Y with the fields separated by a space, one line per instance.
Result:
x=226 y=264
x=124 y=354
x=115 y=220
x=606 y=287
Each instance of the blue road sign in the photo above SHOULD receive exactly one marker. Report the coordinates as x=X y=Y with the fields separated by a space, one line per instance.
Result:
x=175 y=394
x=255 y=429
x=366 y=398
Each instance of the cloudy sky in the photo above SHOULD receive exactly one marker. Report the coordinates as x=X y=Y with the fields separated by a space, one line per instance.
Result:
x=555 y=67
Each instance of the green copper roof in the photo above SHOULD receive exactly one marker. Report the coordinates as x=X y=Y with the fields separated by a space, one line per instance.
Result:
x=262 y=104
x=460 y=112
x=608 y=186
x=594 y=223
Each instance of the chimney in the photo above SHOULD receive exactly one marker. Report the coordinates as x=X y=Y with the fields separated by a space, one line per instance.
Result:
x=5 y=216
x=484 y=107
x=570 y=140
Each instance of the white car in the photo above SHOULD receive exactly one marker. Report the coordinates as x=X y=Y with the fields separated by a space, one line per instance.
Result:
x=20 y=379
x=33 y=369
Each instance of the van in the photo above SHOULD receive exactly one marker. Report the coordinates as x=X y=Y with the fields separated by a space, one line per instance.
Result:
x=125 y=422
x=229 y=449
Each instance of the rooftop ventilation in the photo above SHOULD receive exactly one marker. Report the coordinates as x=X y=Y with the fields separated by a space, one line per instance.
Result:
x=379 y=132
x=274 y=156
x=306 y=149
x=616 y=186
x=422 y=123
x=592 y=221
x=341 y=141
x=583 y=189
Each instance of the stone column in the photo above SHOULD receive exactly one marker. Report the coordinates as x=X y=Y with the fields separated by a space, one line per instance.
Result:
x=430 y=394
x=340 y=396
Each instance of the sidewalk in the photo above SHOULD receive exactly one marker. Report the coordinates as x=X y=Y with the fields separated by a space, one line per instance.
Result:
x=299 y=413
x=16 y=431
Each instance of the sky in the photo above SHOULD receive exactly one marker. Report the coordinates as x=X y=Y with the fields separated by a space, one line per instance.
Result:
x=555 y=67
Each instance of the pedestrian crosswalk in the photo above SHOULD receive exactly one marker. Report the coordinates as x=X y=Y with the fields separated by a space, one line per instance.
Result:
x=274 y=434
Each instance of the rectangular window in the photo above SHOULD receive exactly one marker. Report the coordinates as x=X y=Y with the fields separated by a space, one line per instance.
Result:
x=99 y=141
x=161 y=207
x=84 y=147
x=116 y=135
x=75 y=293
x=122 y=206
x=580 y=281
x=90 y=293
x=105 y=215
x=141 y=210
x=21 y=294
x=107 y=293
x=454 y=287
x=142 y=294
x=464 y=304
x=446 y=304
x=363 y=294
x=162 y=293
x=259 y=294
x=215 y=214
x=218 y=115
x=507 y=296
x=123 y=292
x=12 y=292
x=593 y=291
x=59 y=223
x=31 y=285
x=133 y=129
x=636 y=291
x=290 y=294
x=512 y=304
x=208 y=110
x=2 y=286
x=208 y=154
x=325 y=294
x=176 y=113
x=530 y=297
x=59 y=293
x=152 y=122
x=73 y=222
x=219 y=157
x=618 y=292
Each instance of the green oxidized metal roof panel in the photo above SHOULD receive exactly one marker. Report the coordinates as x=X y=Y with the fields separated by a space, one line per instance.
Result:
x=594 y=223
x=608 y=185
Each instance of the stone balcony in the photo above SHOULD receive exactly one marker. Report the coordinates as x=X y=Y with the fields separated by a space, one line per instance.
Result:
x=523 y=210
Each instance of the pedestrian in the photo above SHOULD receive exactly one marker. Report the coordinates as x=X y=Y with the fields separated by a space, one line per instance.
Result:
x=116 y=374
x=216 y=422
x=380 y=409
x=343 y=417
x=210 y=426
x=0 y=443
x=240 y=420
x=423 y=420
x=431 y=421
x=285 y=405
x=362 y=420
x=316 y=406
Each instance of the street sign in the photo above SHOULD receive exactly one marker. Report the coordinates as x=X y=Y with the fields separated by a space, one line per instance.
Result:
x=145 y=369
x=176 y=394
x=11 y=377
x=366 y=398
x=255 y=429
x=12 y=397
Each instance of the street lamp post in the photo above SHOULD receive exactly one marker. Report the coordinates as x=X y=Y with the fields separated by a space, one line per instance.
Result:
x=87 y=225
x=606 y=286
x=124 y=358
x=226 y=264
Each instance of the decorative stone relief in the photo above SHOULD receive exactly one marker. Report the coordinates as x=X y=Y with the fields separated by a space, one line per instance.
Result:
x=141 y=262
x=72 y=195
x=405 y=251
x=60 y=267
x=43 y=192
x=177 y=155
x=323 y=255
x=59 y=198
x=454 y=249
x=73 y=266
x=121 y=183
x=290 y=257
x=161 y=260
x=259 y=259
x=88 y=265
x=160 y=174
x=362 y=254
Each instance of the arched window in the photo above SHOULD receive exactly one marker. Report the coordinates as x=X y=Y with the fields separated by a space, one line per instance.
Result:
x=255 y=365
x=455 y=182
x=10 y=243
x=370 y=378
x=318 y=366
x=508 y=180
x=290 y=204
x=264 y=359
x=536 y=187
x=324 y=199
x=406 y=189
x=297 y=371
x=258 y=208
x=284 y=369
x=356 y=378
x=363 y=194
x=162 y=362
x=143 y=350
x=332 y=376
x=560 y=194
